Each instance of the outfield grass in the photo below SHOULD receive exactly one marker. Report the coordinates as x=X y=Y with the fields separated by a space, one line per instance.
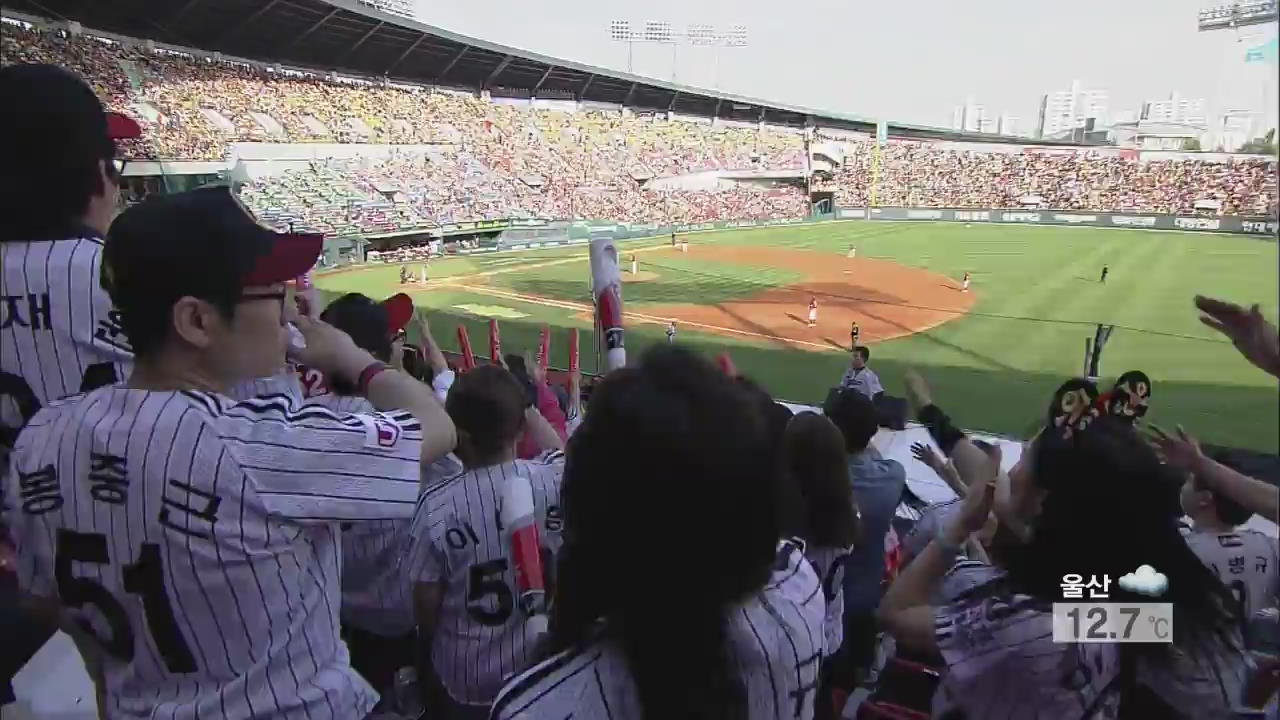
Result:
x=1037 y=300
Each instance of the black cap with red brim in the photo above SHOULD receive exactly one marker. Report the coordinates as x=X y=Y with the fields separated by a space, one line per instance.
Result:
x=203 y=243
x=399 y=309
x=122 y=127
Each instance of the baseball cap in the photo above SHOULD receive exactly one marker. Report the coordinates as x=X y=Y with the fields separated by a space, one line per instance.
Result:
x=53 y=111
x=203 y=243
x=371 y=324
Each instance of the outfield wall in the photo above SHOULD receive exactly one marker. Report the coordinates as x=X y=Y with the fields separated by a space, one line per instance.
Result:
x=516 y=235
x=1238 y=224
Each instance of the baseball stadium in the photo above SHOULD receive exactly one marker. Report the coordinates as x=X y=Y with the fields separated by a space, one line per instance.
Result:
x=489 y=184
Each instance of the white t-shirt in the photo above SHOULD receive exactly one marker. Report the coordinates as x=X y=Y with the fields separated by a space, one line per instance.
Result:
x=863 y=380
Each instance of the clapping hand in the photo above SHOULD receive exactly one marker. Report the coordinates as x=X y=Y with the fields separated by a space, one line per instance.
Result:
x=927 y=455
x=1255 y=338
x=1181 y=451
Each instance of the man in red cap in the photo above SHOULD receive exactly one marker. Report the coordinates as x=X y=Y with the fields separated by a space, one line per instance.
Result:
x=58 y=194
x=58 y=334
x=195 y=540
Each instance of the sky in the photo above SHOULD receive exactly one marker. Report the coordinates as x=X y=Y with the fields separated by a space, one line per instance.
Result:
x=907 y=62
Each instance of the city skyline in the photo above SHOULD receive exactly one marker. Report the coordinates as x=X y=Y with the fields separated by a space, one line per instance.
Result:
x=888 y=62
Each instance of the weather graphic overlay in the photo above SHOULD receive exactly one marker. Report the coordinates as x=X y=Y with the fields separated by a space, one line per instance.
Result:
x=1093 y=619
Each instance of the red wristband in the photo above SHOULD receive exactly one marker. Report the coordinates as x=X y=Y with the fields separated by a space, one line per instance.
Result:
x=368 y=374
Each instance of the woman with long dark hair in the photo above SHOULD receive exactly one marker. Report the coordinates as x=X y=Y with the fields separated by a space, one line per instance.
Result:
x=674 y=597
x=824 y=514
x=827 y=516
x=1096 y=503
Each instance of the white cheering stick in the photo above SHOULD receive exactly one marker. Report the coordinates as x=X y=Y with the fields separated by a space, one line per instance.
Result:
x=520 y=523
x=606 y=279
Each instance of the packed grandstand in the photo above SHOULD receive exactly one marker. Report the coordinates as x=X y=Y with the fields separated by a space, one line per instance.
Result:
x=464 y=156
x=913 y=601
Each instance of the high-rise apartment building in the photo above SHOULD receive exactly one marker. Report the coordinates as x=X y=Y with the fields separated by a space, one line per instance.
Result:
x=1176 y=109
x=1063 y=110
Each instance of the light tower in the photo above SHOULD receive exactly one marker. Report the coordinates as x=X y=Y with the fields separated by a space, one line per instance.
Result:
x=1250 y=21
x=655 y=32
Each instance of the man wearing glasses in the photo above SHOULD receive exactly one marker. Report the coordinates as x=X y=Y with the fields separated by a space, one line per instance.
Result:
x=196 y=539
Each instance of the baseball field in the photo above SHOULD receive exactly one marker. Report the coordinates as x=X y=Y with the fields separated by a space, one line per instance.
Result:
x=994 y=354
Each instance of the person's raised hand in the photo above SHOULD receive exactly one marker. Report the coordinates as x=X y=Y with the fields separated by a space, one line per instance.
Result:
x=1255 y=338
x=1178 y=450
x=917 y=390
x=397 y=353
x=984 y=466
x=329 y=350
x=420 y=322
x=536 y=372
x=927 y=455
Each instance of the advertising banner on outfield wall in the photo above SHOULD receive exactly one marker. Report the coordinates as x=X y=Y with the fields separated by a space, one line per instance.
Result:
x=1224 y=224
x=581 y=231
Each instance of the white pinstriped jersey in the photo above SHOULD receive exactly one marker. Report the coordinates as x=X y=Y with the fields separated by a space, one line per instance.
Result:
x=1246 y=561
x=481 y=636
x=58 y=332
x=777 y=642
x=828 y=563
x=376 y=594
x=1002 y=662
x=199 y=538
x=285 y=383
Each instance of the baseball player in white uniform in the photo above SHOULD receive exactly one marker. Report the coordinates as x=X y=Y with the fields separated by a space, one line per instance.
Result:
x=195 y=539
x=465 y=581
x=58 y=332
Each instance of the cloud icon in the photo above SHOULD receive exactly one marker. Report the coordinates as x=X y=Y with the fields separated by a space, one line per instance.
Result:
x=1145 y=581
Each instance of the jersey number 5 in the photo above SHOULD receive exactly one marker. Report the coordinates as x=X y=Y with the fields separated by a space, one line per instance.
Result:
x=144 y=578
x=488 y=579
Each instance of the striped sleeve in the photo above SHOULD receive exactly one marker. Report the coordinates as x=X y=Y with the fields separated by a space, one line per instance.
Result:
x=101 y=336
x=1002 y=661
x=425 y=560
x=310 y=463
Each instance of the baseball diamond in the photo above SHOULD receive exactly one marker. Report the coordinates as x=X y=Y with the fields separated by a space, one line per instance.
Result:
x=1034 y=298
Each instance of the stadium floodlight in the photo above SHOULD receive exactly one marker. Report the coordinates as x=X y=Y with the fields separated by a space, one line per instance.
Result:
x=620 y=30
x=1238 y=14
x=658 y=32
x=736 y=37
x=701 y=34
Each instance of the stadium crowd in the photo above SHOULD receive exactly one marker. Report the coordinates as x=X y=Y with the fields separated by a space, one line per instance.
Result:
x=921 y=175
x=489 y=159
x=240 y=504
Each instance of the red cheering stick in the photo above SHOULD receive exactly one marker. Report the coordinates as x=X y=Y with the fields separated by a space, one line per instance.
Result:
x=573 y=350
x=464 y=346
x=495 y=343
x=520 y=524
x=726 y=365
x=544 y=346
